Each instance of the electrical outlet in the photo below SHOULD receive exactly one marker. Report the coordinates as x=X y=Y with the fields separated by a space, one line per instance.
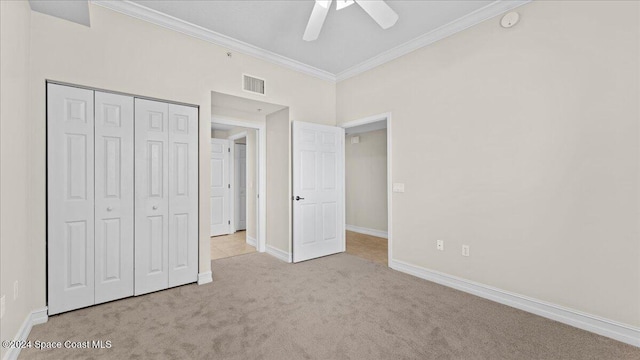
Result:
x=15 y=290
x=2 y=306
x=440 y=245
x=465 y=250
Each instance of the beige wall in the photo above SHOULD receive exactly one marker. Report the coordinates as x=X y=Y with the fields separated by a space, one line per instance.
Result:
x=366 y=180
x=219 y=134
x=524 y=144
x=279 y=181
x=16 y=248
x=125 y=54
x=252 y=182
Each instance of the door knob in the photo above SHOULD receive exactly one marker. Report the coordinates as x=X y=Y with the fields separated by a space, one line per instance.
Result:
x=155 y=207
x=298 y=198
x=109 y=208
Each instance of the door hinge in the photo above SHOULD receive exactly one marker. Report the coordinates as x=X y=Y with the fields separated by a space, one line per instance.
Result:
x=228 y=149
x=229 y=222
x=229 y=186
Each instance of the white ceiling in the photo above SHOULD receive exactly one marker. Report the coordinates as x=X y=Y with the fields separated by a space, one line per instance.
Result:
x=76 y=11
x=349 y=36
x=378 y=125
x=221 y=127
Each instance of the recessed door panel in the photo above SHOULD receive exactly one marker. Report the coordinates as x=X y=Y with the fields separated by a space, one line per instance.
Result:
x=308 y=223
x=76 y=166
x=329 y=171
x=180 y=252
x=156 y=248
x=217 y=210
x=114 y=196
x=76 y=246
x=151 y=196
x=183 y=195
x=70 y=203
x=329 y=221
x=181 y=174
x=112 y=253
x=308 y=166
x=112 y=166
x=217 y=172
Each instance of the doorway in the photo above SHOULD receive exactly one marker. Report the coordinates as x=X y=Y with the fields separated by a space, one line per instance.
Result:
x=367 y=188
x=239 y=209
x=234 y=190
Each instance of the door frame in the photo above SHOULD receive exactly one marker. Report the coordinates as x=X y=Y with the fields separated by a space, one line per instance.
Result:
x=367 y=120
x=232 y=178
x=261 y=231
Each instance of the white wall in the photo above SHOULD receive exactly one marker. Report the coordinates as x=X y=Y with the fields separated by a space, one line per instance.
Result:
x=125 y=54
x=524 y=144
x=366 y=180
x=16 y=247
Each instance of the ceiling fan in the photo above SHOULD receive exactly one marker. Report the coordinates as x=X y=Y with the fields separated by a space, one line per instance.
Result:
x=377 y=9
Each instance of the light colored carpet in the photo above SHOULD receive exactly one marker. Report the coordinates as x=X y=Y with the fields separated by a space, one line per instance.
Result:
x=336 y=307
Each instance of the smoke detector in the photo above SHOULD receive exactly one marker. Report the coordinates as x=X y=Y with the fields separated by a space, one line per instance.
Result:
x=510 y=19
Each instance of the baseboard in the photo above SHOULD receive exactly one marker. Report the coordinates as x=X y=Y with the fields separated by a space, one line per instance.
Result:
x=34 y=318
x=367 y=231
x=601 y=326
x=277 y=253
x=251 y=241
x=205 y=277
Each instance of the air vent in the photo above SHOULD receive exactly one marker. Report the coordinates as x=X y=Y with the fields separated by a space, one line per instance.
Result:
x=253 y=84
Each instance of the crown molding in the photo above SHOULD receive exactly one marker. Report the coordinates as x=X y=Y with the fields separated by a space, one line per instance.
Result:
x=167 y=21
x=491 y=10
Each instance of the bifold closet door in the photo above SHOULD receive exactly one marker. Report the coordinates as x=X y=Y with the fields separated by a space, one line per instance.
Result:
x=70 y=203
x=113 y=196
x=183 y=194
x=151 y=196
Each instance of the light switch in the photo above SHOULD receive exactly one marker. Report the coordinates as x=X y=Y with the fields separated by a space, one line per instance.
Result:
x=398 y=187
x=355 y=139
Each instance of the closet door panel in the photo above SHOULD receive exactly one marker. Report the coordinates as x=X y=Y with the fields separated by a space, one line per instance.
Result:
x=70 y=203
x=151 y=196
x=113 y=196
x=183 y=194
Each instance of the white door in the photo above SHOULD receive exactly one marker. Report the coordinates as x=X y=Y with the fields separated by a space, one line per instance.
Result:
x=70 y=205
x=183 y=194
x=318 y=190
x=113 y=196
x=220 y=187
x=240 y=191
x=151 y=196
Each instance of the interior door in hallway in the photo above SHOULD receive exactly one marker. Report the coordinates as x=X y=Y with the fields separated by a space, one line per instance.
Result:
x=318 y=190
x=220 y=187
x=240 y=192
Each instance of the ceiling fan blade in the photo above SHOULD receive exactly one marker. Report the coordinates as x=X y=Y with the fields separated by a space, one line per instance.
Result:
x=380 y=12
x=316 y=20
